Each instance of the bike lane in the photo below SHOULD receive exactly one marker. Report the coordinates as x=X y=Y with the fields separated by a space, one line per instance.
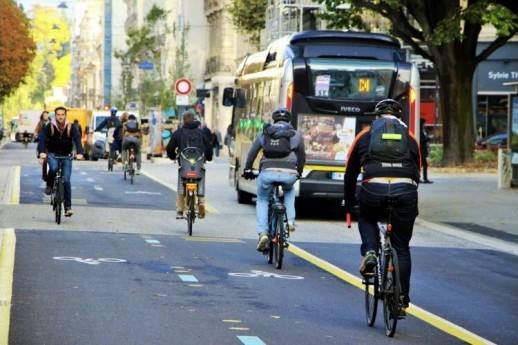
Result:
x=71 y=286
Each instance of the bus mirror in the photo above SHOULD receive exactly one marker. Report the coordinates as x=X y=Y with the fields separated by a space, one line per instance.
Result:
x=228 y=97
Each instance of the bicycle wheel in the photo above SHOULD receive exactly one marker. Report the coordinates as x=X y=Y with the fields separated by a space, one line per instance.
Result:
x=278 y=242
x=59 y=199
x=271 y=226
x=110 y=162
x=190 y=212
x=125 y=168
x=132 y=173
x=371 y=296
x=391 y=288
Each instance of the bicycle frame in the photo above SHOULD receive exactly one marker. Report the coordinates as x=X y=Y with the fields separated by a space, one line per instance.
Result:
x=58 y=190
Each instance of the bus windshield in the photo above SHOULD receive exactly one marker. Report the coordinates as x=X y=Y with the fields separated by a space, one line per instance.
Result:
x=350 y=79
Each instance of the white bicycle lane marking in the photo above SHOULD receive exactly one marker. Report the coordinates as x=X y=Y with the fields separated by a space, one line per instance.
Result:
x=89 y=261
x=257 y=273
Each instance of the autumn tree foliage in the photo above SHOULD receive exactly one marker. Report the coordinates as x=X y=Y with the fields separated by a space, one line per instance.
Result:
x=17 y=49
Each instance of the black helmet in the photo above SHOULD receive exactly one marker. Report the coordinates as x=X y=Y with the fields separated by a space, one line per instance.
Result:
x=388 y=106
x=281 y=114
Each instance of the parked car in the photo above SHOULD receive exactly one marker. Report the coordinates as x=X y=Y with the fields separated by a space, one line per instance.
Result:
x=492 y=142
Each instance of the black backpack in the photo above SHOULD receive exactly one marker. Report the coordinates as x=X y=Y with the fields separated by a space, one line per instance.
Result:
x=389 y=140
x=277 y=141
x=193 y=138
x=112 y=122
x=132 y=126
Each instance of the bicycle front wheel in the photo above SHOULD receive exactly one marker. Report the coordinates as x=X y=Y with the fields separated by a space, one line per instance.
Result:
x=59 y=199
x=371 y=296
x=278 y=242
x=391 y=292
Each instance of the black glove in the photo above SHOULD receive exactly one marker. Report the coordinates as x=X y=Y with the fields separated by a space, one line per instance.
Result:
x=348 y=206
x=248 y=174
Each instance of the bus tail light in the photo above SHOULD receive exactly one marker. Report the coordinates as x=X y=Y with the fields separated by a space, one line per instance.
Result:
x=413 y=109
x=289 y=97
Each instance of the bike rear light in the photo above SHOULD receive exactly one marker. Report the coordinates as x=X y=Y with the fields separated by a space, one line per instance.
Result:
x=191 y=174
x=191 y=187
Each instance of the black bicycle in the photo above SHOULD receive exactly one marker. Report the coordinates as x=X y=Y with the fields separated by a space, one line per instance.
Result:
x=129 y=167
x=384 y=284
x=57 y=197
x=277 y=221
x=191 y=173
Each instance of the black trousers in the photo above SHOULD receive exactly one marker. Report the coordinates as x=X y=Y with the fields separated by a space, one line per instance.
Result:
x=374 y=200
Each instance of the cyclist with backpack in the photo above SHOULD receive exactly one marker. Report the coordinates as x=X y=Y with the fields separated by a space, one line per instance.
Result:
x=189 y=135
x=111 y=123
x=58 y=139
x=132 y=134
x=389 y=155
x=283 y=161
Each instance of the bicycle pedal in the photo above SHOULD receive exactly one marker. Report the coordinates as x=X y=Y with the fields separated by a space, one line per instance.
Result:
x=286 y=244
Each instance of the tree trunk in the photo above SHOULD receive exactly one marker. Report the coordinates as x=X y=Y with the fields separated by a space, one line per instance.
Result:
x=456 y=76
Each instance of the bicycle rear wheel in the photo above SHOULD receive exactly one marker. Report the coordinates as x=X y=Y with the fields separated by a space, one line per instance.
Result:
x=110 y=162
x=391 y=292
x=190 y=212
x=58 y=200
x=371 y=296
x=278 y=242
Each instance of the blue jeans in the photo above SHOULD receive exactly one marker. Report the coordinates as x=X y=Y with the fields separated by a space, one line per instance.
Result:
x=265 y=182
x=67 y=172
x=373 y=208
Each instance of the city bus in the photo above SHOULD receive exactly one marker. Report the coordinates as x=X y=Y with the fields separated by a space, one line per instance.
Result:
x=330 y=81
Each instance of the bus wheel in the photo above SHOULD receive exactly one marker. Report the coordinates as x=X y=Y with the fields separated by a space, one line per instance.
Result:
x=244 y=197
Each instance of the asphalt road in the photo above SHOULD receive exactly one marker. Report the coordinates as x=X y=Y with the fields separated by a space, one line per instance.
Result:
x=122 y=269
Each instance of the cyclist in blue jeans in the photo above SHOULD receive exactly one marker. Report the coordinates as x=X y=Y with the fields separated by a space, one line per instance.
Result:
x=282 y=162
x=58 y=139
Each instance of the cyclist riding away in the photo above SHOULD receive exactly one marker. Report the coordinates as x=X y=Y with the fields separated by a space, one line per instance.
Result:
x=189 y=135
x=58 y=139
x=132 y=134
x=389 y=155
x=283 y=161
x=110 y=123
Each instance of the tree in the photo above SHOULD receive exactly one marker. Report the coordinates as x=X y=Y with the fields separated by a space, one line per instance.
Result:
x=144 y=44
x=17 y=49
x=446 y=32
x=249 y=18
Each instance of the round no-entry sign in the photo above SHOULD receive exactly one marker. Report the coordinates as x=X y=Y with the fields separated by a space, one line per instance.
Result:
x=183 y=86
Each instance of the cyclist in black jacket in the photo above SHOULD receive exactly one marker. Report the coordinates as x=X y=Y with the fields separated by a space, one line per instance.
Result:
x=382 y=181
x=175 y=146
x=58 y=139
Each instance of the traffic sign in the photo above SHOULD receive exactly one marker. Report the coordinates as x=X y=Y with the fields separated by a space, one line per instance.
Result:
x=183 y=86
x=146 y=65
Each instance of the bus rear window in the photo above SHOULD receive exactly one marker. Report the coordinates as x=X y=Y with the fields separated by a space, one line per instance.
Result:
x=350 y=79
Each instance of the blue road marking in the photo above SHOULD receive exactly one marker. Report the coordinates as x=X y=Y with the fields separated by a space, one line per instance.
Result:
x=248 y=340
x=188 y=278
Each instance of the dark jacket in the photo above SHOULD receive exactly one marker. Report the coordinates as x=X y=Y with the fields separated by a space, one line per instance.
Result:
x=108 y=123
x=59 y=143
x=407 y=168
x=175 y=143
x=294 y=161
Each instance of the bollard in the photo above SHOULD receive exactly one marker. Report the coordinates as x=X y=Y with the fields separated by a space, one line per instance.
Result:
x=505 y=170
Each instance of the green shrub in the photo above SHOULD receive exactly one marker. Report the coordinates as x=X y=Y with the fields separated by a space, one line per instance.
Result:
x=435 y=154
x=486 y=156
